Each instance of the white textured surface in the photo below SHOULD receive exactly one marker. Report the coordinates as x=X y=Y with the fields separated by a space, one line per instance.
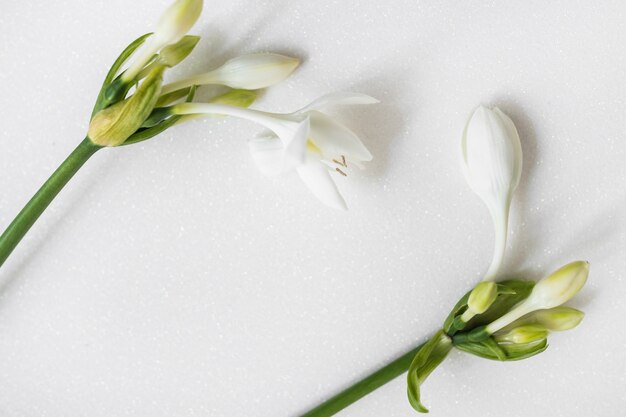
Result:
x=169 y=279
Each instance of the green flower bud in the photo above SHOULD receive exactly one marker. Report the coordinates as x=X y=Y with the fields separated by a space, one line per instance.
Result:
x=482 y=297
x=238 y=98
x=528 y=333
x=560 y=286
x=558 y=318
x=113 y=125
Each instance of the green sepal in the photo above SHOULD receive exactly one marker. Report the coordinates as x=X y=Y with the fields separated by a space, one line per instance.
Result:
x=449 y=325
x=101 y=101
x=505 y=352
x=426 y=360
x=158 y=115
x=517 y=352
x=488 y=349
x=174 y=54
x=169 y=98
x=148 y=133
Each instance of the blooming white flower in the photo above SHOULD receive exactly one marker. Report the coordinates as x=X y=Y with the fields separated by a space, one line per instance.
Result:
x=552 y=291
x=174 y=23
x=307 y=141
x=492 y=163
x=249 y=72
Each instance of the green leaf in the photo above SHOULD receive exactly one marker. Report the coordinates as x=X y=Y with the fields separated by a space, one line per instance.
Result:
x=426 y=360
x=101 y=101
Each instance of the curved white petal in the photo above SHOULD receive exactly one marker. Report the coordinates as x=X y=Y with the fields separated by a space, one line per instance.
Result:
x=517 y=145
x=334 y=139
x=337 y=99
x=268 y=154
x=317 y=178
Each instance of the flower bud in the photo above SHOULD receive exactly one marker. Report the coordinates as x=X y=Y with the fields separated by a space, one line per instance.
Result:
x=247 y=72
x=113 y=125
x=237 y=98
x=558 y=318
x=523 y=334
x=482 y=297
x=177 y=20
x=552 y=291
x=491 y=156
x=560 y=286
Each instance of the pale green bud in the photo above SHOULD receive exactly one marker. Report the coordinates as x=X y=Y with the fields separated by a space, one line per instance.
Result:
x=113 y=125
x=558 y=318
x=482 y=296
x=248 y=72
x=177 y=20
x=238 y=98
x=552 y=291
x=560 y=286
x=523 y=334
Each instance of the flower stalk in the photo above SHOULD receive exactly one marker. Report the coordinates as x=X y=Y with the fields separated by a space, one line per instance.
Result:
x=42 y=199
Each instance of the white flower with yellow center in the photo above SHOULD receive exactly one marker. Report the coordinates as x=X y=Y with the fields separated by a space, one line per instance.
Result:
x=307 y=141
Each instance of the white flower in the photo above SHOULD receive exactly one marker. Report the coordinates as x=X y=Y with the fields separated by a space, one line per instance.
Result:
x=174 y=23
x=307 y=141
x=552 y=291
x=249 y=72
x=492 y=163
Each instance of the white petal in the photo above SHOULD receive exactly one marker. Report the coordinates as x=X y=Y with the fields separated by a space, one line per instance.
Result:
x=317 y=178
x=334 y=139
x=268 y=154
x=338 y=99
x=512 y=131
x=295 y=145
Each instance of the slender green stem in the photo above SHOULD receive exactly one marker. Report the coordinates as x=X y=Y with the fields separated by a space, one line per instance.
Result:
x=365 y=386
x=33 y=209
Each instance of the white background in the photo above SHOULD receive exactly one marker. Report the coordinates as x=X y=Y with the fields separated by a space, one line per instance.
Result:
x=170 y=279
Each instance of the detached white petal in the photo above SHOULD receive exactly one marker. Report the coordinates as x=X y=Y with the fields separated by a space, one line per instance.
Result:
x=492 y=163
x=249 y=72
x=174 y=23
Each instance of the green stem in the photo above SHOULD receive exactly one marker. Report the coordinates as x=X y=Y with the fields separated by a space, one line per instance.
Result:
x=365 y=386
x=44 y=196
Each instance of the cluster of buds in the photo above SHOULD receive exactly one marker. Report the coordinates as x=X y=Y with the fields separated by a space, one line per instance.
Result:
x=134 y=105
x=512 y=325
x=508 y=320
